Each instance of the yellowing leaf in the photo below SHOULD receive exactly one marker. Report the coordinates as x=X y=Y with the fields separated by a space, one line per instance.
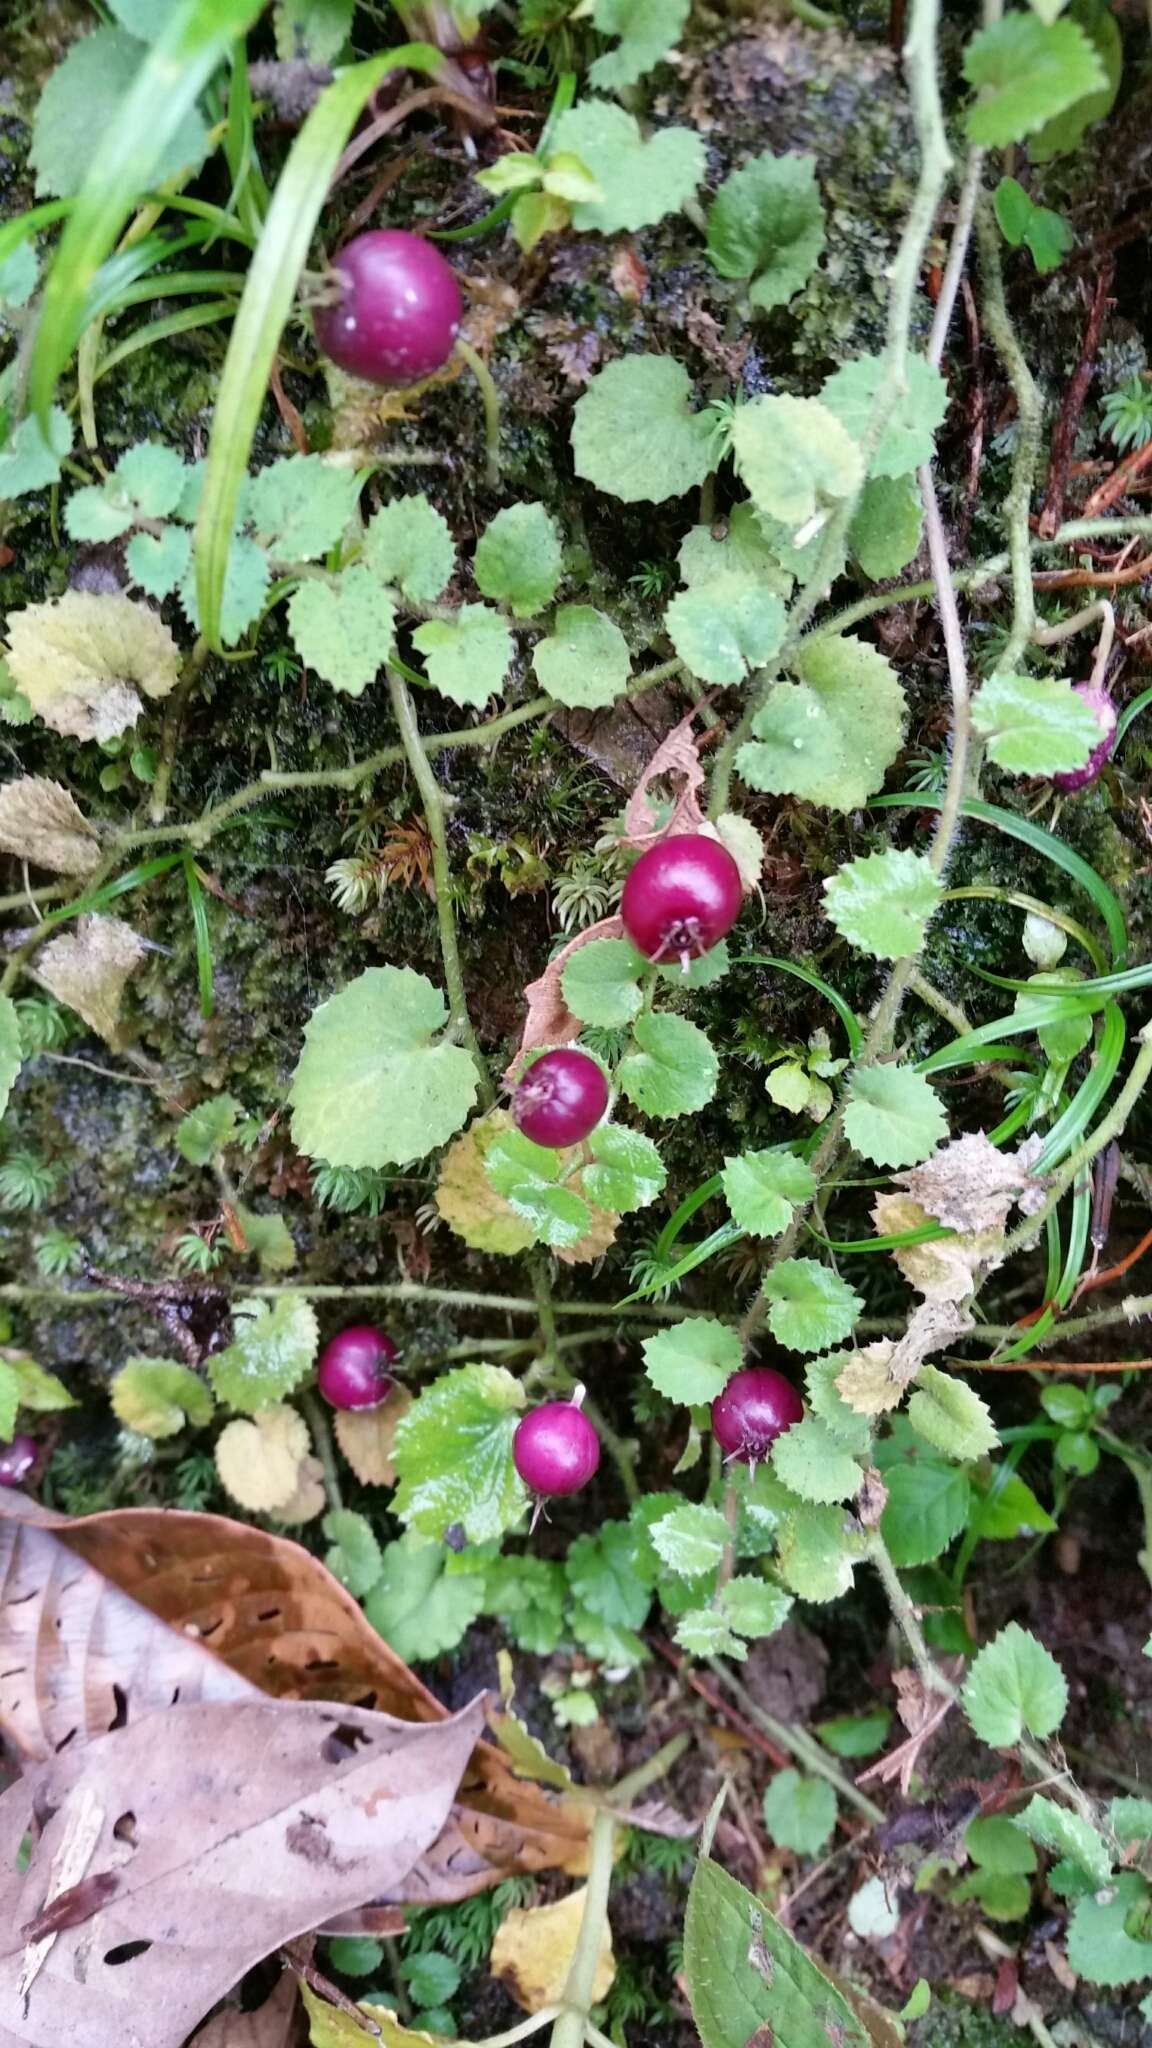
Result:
x=42 y=823
x=308 y=1497
x=88 y=966
x=366 y=1436
x=157 y=1397
x=82 y=660
x=466 y=1198
x=533 y=1949
x=259 y=1461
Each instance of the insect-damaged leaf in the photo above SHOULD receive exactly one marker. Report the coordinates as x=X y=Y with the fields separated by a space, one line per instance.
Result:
x=232 y=1827
x=748 y=1980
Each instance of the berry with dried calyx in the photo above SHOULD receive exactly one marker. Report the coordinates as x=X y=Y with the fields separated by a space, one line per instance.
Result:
x=681 y=898
x=353 y=1371
x=755 y=1407
x=398 y=309
x=555 y=1449
x=561 y=1098
x=1103 y=710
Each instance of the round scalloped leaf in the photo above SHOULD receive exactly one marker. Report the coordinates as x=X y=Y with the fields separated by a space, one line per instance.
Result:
x=892 y=1115
x=157 y=1397
x=420 y=1610
x=626 y=1171
x=366 y=1436
x=1034 y=725
x=344 y=630
x=818 y=1551
x=601 y=982
x=882 y=903
x=80 y=660
x=371 y=1088
x=1026 y=72
x=910 y=426
x=468 y=657
x=811 y=1307
x=761 y=1189
x=301 y=505
x=519 y=559
x=832 y=736
x=271 y=1353
x=634 y=435
x=1100 y=1948
x=648 y=29
x=584 y=662
x=767 y=223
x=795 y=457
x=950 y=1415
x=453 y=1454
x=675 y=1070
x=641 y=179
x=408 y=543
x=810 y=1460
x=259 y=1461
x=694 y=1361
x=800 y=1812
x=726 y=627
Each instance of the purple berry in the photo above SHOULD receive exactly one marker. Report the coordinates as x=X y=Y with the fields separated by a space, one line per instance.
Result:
x=1104 y=712
x=556 y=1449
x=399 y=310
x=17 y=1460
x=562 y=1097
x=755 y=1407
x=353 y=1370
x=681 y=897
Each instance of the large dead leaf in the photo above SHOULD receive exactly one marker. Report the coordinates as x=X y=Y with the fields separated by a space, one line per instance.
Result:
x=40 y=822
x=272 y=1615
x=87 y=969
x=231 y=1829
x=942 y=1269
x=533 y=1949
x=81 y=660
x=971 y=1186
x=275 y=2024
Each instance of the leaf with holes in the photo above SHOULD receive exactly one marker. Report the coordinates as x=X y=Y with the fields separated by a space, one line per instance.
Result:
x=372 y=1087
x=453 y=1454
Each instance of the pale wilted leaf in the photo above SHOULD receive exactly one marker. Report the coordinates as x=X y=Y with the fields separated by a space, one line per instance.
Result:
x=308 y=1498
x=87 y=968
x=42 y=823
x=968 y=1184
x=532 y=1952
x=466 y=1198
x=82 y=660
x=366 y=1436
x=876 y=1377
x=259 y=1461
x=945 y=1269
x=279 y=1827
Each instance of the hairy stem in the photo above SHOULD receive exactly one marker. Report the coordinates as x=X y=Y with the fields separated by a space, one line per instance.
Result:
x=1029 y=419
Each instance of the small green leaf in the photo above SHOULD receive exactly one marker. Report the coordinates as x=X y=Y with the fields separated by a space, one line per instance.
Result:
x=1131 y=1820
x=1015 y=1687
x=611 y=1576
x=892 y=1115
x=519 y=559
x=762 y=1188
x=742 y=550
x=647 y=29
x=1047 y=235
x=527 y=1176
x=355 y=1955
x=432 y=1979
x=1065 y=1834
x=11 y=1051
x=343 y=630
x=855 y=1735
x=370 y=1087
x=19 y=272
x=811 y=1307
x=694 y=1361
x=640 y=179
x=301 y=505
x=1026 y=72
x=831 y=736
x=408 y=544
x=927 y=1507
x=158 y=562
x=147 y=483
x=1000 y=1845
x=206 y=1130
x=1034 y=725
x=767 y=223
x=1100 y=1947
x=269 y=1356
x=675 y=1070
x=800 y=1812
x=355 y=1557
x=634 y=436
x=818 y=1549
x=754 y=1607
x=910 y=427
x=314 y=31
x=853 y=1431
x=811 y=1461
x=748 y=1977
x=886 y=526
x=467 y=659
x=706 y=1632
x=246 y=581
x=882 y=903
x=627 y=1171
x=1065 y=132
x=421 y=1610
x=157 y=1398
x=584 y=661
x=691 y=1540
x=31 y=459
x=726 y=627
x=795 y=457
x=951 y=1416
x=453 y=1455
x=528 y=1595
x=601 y=982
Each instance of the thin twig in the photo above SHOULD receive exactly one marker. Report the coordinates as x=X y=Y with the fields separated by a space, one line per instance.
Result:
x=1065 y=430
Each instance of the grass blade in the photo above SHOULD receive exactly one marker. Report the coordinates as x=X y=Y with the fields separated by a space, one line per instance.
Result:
x=1073 y=1122
x=199 y=911
x=1130 y=712
x=1101 y=984
x=981 y=1044
x=16 y=231
x=846 y=1015
x=178 y=66
x=297 y=202
x=205 y=314
x=1041 y=842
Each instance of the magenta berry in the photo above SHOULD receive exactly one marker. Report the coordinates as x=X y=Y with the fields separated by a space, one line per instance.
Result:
x=353 y=1370
x=399 y=309
x=17 y=1460
x=562 y=1097
x=755 y=1407
x=1104 y=712
x=681 y=897
x=556 y=1449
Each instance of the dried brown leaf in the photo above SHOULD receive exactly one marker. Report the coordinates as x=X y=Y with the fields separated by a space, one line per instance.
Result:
x=250 y=1822
x=81 y=660
x=549 y=1020
x=366 y=1437
x=946 y=1270
x=87 y=968
x=259 y=1459
x=275 y=2024
x=968 y=1184
x=42 y=823
x=465 y=1196
x=677 y=760
x=308 y=1498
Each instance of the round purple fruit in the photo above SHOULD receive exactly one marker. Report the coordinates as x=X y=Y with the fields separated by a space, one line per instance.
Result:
x=17 y=1460
x=681 y=898
x=755 y=1407
x=1103 y=710
x=555 y=1449
x=353 y=1370
x=398 y=312
x=562 y=1097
